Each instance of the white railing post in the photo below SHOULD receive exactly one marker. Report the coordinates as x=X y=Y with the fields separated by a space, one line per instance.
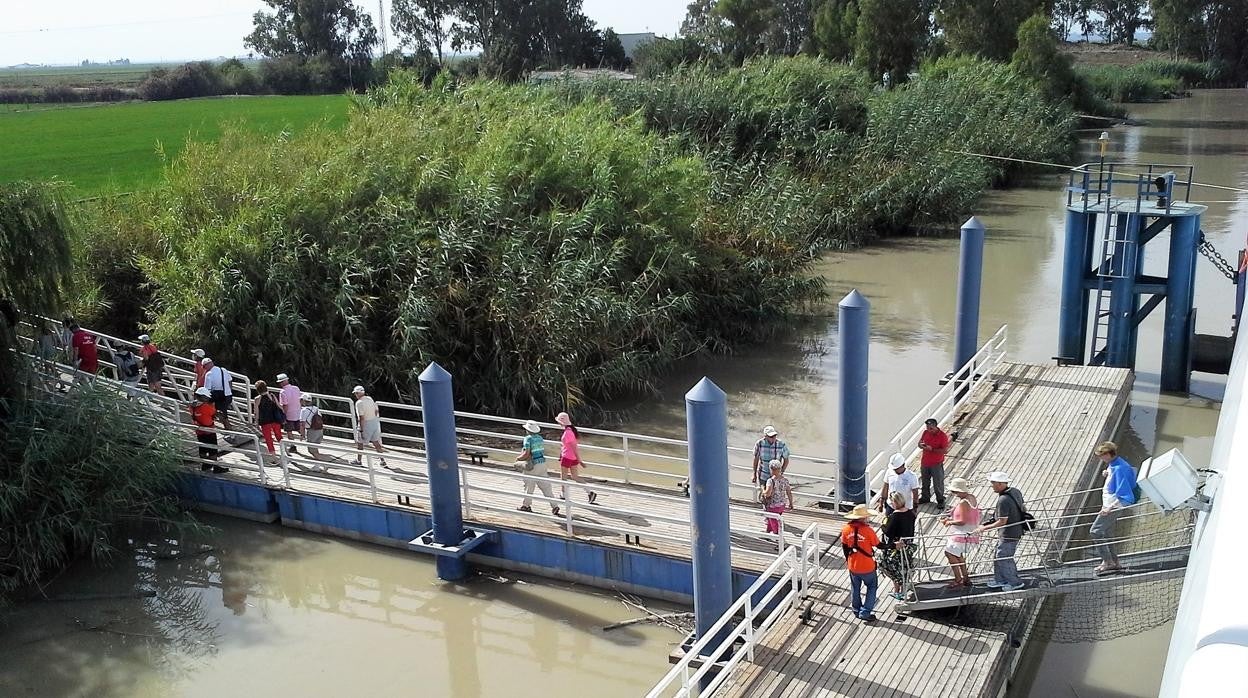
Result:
x=284 y=458
x=372 y=477
x=259 y=442
x=749 y=626
x=567 y=510
x=463 y=484
x=628 y=463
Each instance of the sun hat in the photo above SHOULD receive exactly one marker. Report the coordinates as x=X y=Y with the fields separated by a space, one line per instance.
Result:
x=357 y=390
x=563 y=419
x=206 y=361
x=145 y=338
x=959 y=484
x=204 y=393
x=998 y=476
x=532 y=427
x=198 y=352
x=770 y=431
x=860 y=512
x=282 y=377
x=897 y=461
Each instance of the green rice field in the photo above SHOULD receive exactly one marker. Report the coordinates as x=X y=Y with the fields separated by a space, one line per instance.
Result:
x=116 y=147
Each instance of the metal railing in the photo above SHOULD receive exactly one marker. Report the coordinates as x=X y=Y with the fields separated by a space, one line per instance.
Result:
x=1093 y=184
x=956 y=392
x=734 y=637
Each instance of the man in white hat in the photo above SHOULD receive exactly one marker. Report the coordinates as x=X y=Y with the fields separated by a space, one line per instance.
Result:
x=858 y=542
x=290 y=398
x=217 y=381
x=767 y=449
x=532 y=461
x=899 y=480
x=1009 y=519
x=368 y=417
x=197 y=357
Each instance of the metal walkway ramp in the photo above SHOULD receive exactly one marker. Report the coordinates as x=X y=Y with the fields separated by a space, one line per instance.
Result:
x=1058 y=578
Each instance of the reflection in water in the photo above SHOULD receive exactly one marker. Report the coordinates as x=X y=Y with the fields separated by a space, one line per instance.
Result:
x=279 y=612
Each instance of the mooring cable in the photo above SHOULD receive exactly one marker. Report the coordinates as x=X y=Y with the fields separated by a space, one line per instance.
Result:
x=1068 y=167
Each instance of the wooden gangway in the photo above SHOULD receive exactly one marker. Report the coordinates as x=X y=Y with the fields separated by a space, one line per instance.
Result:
x=1038 y=423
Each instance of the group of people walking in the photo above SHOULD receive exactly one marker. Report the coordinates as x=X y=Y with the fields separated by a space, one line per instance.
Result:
x=532 y=461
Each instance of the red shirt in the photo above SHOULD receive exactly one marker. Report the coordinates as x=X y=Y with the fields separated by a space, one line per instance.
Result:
x=88 y=358
x=202 y=413
x=200 y=372
x=861 y=540
x=935 y=439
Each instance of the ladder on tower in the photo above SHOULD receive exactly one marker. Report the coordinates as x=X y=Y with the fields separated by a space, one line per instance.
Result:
x=1116 y=262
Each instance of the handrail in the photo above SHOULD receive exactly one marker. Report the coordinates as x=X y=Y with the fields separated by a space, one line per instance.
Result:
x=796 y=566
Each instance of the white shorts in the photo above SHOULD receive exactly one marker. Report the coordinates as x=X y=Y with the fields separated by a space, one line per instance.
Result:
x=370 y=432
x=957 y=549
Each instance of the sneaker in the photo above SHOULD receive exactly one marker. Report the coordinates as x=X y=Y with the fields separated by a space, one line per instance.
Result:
x=205 y=466
x=218 y=469
x=1013 y=587
x=554 y=511
x=871 y=618
x=994 y=585
x=527 y=508
x=898 y=596
x=593 y=497
x=925 y=500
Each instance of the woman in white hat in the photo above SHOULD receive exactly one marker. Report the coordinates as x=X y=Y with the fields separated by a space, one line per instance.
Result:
x=962 y=519
x=532 y=460
x=570 y=456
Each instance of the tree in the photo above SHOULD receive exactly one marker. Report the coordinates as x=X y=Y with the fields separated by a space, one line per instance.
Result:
x=1178 y=27
x=704 y=25
x=1119 y=19
x=748 y=22
x=518 y=36
x=1226 y=35
x=1038 y=57
x=613 y=55
x=791 y=27
x=422 y=23
x=1069 y=15
x=338 y=29
x=987 y=28
x=836 y=29
x=890 y=35
x=654 y=58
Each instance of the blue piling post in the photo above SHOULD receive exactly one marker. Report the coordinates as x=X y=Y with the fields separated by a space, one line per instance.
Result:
x=1124 y=302
x=706 y=413
x=1180 y=295
x=855 y=345
x=970 y=279
x=438 y=408
x=1072 y=328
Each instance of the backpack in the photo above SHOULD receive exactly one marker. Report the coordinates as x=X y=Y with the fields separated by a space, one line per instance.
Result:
x=129 y=366
x=270 y=411
x=316 y=423
x=1029 y=522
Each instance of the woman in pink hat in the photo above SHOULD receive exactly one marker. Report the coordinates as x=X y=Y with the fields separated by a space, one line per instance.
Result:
x=569 y=455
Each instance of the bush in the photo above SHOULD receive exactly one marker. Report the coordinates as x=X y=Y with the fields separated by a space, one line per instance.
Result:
x=76 y=467
x=546 y=254
x=1153 y=80
x=662 y=56
x=284 y=75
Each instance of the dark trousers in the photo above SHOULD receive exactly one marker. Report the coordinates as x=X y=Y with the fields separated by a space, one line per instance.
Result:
x=207 y=445
x=933 y=478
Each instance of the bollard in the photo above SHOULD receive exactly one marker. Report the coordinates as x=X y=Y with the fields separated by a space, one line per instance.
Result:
x=970 y=278
x=855 y=345
x=442 y=455
x=706 y=410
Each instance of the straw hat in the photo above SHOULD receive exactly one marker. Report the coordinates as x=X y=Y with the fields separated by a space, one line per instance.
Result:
x=532 y=427
x=860 y=512
x=959 y=484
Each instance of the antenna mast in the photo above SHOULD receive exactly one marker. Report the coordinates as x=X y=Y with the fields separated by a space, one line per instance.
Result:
x=381 y=19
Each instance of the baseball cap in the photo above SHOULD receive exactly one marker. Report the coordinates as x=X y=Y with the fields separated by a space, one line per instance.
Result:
x=206 y=361
x=203 y=392
x=198 y=352
x=145 y=338
x=769 y=431
x=357 y=390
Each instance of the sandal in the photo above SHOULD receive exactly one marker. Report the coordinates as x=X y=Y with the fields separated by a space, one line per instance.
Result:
x=593 y=497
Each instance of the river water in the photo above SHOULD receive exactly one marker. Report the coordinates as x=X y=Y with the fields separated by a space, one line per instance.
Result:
x=276 y=611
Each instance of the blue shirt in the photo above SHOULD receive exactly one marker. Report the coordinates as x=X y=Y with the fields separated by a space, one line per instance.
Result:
x=536 y=447
x=1121 y=481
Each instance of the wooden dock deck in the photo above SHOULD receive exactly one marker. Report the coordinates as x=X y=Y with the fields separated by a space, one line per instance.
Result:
x=1039 y=424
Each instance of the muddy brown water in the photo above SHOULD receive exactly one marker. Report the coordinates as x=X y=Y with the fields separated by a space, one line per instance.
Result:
x=284 y=613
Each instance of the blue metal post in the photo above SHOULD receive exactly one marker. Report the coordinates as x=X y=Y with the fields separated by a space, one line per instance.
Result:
x=1124 y=302
x=706 y=414
x=970 y=278
x=1072 y=328
x=855 y=345
x=1180 y=295
x=1241 y=281
x=442 y=453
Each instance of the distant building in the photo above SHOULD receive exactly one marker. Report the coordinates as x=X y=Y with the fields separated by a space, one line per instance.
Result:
x=632 y=41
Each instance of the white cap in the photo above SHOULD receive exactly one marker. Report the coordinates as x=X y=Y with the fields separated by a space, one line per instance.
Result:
x=357 y=390
x=207 y=361
x=532 y=427
x=897 y=461
x=145 y=338
x=769 y=431
x=998 y=476
x=203 y=392
x=282 y=377
x=198 y=352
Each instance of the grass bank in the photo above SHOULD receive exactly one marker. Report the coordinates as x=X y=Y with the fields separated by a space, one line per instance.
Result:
x=121 y=147
x=1151 y=80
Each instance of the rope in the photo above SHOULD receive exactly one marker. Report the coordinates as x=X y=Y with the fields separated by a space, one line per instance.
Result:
x=1068 y=167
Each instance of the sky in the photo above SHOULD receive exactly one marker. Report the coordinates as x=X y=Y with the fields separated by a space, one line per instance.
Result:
x=69 y=31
